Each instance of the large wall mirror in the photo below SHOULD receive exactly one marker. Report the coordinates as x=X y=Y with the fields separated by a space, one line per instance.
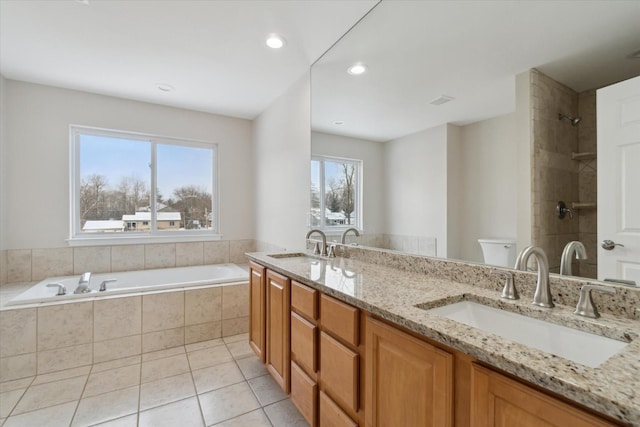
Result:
x=463 y=120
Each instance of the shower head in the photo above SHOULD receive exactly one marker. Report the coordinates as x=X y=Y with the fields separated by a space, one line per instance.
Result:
x=574 y=120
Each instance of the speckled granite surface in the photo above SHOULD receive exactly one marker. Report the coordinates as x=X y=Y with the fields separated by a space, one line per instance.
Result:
x=394 y=286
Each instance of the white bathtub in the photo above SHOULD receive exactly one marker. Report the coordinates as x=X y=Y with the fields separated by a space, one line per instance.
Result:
x=134 y=281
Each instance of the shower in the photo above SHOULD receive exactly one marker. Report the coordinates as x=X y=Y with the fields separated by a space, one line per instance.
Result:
x=574 y=120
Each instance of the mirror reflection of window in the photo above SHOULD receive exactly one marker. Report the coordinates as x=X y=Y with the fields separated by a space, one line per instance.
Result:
x=335 y=193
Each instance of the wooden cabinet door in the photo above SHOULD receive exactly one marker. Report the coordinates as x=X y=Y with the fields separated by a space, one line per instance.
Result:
x=257 y=301
x=497 y=400
x=339 y=372
x=304 y=394
x=303 y=344
x=408 y=382
x=278 y=328
x=331 y=415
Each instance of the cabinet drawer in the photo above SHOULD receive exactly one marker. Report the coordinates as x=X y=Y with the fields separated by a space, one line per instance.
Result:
x=331 y=415
x=339 y=368
x=303 y=343
x=304 y=300
x=342 y=320
x=304 y=394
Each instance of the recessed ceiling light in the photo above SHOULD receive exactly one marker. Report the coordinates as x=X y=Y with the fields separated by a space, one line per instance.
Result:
x=442 y=99
x=338 y=122
x=83 y=1
x=275 y=41
x=165 y=87
x=357 y=69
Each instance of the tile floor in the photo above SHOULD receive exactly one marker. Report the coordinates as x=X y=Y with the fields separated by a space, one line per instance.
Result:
x=212 y=383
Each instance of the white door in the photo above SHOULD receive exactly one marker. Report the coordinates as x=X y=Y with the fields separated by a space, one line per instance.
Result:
x=618 y=116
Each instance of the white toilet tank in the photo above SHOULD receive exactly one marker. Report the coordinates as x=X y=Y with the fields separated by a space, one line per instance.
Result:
x=499 y=252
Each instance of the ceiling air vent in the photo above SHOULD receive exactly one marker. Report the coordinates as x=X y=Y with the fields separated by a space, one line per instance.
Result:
x=442 y=99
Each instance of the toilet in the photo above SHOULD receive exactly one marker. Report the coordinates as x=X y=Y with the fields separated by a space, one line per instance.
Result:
x=499 y=252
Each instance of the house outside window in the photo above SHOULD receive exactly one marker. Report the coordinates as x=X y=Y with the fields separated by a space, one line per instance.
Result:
x=128 y=184
x=336 y=189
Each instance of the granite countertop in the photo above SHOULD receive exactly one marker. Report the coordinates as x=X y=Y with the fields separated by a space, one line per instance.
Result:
x=613 y=388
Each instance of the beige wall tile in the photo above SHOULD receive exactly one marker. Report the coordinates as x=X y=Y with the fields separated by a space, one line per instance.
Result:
x=62 y=375
x=203 y=305
x=154 y=341
x=160 y=255
x=93 y=259
x=117 y=348
x=235 y=301
x=64 y=325
x=65 y=358
x=216 y=252
x=237 y=249
x=202 y=332
x=17 y=332
x=15 y=367
x=239 y=325
x=162 y=311
x=188 y=254
x=3 y=267
x=127 y=257
x=51 y=262
x=18 y=265
x=113 y=379
x=117 y=317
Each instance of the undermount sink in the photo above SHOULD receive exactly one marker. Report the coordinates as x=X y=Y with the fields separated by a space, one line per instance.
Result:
x=582 y=347
x=288 y=255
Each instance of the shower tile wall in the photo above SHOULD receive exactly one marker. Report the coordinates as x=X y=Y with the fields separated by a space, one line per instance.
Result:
x=554 y=173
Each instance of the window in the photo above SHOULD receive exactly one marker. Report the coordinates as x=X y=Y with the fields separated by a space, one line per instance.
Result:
x=141 y=185
x=335 y=192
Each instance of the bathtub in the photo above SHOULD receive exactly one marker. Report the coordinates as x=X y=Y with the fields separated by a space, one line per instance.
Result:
x=133 y=281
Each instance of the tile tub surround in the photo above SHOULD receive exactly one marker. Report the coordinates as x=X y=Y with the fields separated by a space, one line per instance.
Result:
x=390 y=285
x=47 y=338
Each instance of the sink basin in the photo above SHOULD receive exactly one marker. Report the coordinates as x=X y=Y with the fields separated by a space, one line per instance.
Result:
x=287 y=255
x=581 y=347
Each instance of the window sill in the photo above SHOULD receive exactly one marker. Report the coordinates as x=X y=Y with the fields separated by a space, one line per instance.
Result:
x=145 y=239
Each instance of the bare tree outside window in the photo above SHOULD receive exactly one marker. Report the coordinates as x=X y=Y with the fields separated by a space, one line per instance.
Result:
x=334 y=192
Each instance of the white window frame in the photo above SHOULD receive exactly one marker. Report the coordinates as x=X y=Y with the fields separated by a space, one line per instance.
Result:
x=78 y=238
x=337 y=229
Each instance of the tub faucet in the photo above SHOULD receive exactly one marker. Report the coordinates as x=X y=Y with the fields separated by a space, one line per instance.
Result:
x=83 y=284
x=323 y=250
x=542 y=296
x=344 y=234
x=565 y=260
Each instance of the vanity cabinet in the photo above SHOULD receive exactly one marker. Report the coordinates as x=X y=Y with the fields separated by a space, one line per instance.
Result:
x=257 y=306
x=278 y=328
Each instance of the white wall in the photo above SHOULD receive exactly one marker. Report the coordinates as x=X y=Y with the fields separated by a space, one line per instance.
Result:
x=37 y=153
x=3 y=165
x=489 y=171
x=524 y=140
x=456 y=190
x=416 y=186
x=281 y=139
x=372 y=155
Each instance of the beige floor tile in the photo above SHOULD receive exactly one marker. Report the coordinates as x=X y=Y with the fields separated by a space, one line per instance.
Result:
x=113 y=379
x=162 y=368
x=209 y=357
x=267 y=390
x=113 y=364
x=15 y=384
x=184 y=413
x=251 y=367
x=218 y=376
x=204 y=344
x=50 y=394
x=236 y=338
x=8 y=401
x=255 y=418
x=240 y=349
x=107 y=406
x=61 y=375
x=163 y=353
x=228 y=402
x=284 y=413
x=128 y=421
x=166 y=390
x=54 y=416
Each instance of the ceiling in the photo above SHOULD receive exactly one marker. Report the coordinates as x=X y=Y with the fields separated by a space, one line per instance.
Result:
x=212 y=52
x=417 y=51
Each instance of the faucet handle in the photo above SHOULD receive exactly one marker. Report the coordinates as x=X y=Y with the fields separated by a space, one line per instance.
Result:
x=316 y=248
x=103 y=285
x=61 y=289
x=509 y=290
x=585 y=306
x=332 y=251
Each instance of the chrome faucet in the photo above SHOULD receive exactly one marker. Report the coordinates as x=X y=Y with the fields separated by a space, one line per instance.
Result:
x=565 y=260
x=344 y=234
x=318 y=251
x=83 y=284
x=542 y=296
